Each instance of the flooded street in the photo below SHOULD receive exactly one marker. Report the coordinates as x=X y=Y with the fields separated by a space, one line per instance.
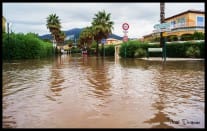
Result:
x=90 y=92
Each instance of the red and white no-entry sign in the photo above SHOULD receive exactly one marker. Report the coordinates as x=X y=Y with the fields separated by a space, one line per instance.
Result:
x=125 y=26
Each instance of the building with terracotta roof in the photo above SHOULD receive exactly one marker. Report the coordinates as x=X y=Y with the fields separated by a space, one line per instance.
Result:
x=184 y=23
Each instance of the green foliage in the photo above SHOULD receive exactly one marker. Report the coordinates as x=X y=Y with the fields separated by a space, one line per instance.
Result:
x=101 y=27
x=173 y=49
x=198 y=35
x=156 y=39
x=131 y=46
x=109 y=50
x=29 y=46
x=186 y=37
x=93 y=45
x=75 y=50
x=91 y=51
x=172 y=38
x=179 y=49
x=140 y=52
x=193 y=52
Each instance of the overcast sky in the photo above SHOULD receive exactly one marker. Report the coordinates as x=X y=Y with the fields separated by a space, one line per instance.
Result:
x=141 y=17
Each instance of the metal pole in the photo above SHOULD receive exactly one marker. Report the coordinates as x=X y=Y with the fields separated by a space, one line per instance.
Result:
x=104 y=51
x=164 y=49
x=125 y=51
x=162 y=20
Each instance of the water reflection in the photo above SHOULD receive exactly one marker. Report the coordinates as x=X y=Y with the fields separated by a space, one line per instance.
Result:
x=81 y=91
x=98 y=82
x=99 y=78
x=176 y=85
x=57 y=78
x=160 y=118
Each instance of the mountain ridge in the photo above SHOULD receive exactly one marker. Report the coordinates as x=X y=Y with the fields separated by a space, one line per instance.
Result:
x=75 y=32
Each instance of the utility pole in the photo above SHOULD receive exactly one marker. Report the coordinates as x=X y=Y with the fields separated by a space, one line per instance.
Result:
x=162 y=20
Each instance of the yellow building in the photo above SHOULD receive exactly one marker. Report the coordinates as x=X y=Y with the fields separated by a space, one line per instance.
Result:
x=112 y=41
x=3 y=24
x=183 y=24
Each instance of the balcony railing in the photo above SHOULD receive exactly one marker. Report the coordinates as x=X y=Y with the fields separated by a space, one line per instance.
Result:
x=185 y=25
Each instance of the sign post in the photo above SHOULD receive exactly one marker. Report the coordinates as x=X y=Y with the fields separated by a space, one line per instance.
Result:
x=125 y=27
x=163 y=27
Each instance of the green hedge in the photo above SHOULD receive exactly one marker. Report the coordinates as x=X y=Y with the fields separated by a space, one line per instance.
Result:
x=173 y=49
x=109 y=50
x=179 y=49
x=132 y=46
x=75 y=50
x=29 y=46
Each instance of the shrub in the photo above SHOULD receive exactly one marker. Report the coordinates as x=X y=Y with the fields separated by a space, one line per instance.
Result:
x=172 y=38
x=109 y=50
x=198 y=35
x=140 y=52
x=179 y=49
x=186 y=37
x=132 y=46
x=29 y=46
x=172 y=49
x=192 y=52
x=75 y=50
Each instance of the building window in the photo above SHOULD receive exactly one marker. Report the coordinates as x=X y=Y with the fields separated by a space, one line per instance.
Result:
x=181 y=22
x=172 y=24
x=200 y=21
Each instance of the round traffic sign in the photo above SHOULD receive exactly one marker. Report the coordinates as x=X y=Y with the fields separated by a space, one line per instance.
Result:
x=125 y=26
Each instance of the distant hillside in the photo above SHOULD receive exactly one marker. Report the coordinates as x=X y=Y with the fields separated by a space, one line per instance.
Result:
x=75 y=32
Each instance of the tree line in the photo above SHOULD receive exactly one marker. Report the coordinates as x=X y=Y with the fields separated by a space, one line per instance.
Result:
x=101 y=27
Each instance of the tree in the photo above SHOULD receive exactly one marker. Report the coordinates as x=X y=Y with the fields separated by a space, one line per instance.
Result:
x=60 y=37
x=86 y=36
x=101 y=26
x=198 y=35
x=53 y=24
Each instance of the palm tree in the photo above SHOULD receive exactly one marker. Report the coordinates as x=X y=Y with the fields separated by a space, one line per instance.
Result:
x=53 y=24
x=60 y=37
x=86 y=36
x=102 y=26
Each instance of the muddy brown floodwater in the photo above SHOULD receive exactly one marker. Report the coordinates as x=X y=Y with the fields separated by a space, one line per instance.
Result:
x=89 y=92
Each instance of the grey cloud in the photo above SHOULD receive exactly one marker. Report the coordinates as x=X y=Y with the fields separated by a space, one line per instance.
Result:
x=73 y=14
